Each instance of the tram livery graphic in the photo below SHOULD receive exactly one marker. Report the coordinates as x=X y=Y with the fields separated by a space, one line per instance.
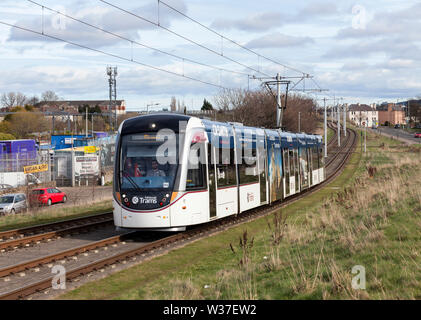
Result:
x=173 y=171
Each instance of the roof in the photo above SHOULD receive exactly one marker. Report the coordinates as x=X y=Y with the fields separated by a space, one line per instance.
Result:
x=361 y=107
x=386 y=108
x=79 y=102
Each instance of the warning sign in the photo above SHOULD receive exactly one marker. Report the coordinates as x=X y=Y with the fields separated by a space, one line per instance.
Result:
x=36 y=168
x=90 y=149
x=87 y=165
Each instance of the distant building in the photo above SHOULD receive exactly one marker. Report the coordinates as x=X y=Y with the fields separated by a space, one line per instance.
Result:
x=71 y=107
x=363 y=115
x=391 y=113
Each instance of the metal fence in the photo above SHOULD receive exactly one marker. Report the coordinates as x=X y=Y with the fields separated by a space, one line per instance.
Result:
x=65 y=167
x=12 y=169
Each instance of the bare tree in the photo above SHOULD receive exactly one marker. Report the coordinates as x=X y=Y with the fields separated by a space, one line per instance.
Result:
x=49 y=96
x=258 y=109
x=173 y=104
x=8 y=100
x=20 y=99
x=33 y=100
x=12 y=99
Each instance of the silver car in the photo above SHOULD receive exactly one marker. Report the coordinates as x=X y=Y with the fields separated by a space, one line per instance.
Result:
x=12 y=203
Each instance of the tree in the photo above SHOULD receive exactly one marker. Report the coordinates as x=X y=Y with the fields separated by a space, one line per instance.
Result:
x=173 y=104
x=258 y=109
x=207 y=105
x=49 y=96
x=8 y=117
x=29 y=107
x=6 y=136
x=33 y=101
x=12 y=99
x=23 y=124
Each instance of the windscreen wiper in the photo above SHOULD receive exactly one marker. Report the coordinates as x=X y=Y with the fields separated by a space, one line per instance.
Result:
x=134 y=184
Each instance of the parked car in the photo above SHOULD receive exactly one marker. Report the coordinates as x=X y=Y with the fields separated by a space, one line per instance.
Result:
x=397 y=126
x=47 y=196
x=417 y=135
x=12 y=203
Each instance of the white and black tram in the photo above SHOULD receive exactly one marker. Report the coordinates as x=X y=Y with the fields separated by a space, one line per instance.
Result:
x=173 y=171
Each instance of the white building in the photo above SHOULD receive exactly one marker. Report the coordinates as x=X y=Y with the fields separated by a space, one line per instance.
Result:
x=363 y=115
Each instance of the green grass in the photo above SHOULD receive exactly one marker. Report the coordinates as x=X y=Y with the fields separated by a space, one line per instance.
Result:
x=52 y=214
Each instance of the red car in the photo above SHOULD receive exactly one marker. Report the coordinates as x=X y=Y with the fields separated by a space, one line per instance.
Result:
x=47 y=196
x=417 y=135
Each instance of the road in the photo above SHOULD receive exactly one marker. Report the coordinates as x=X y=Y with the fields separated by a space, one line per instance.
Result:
x=398 y=134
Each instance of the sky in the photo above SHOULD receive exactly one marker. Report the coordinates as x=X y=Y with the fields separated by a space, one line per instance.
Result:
x=362 y=51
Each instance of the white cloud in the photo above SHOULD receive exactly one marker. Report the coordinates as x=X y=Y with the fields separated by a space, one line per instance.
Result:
x=278 y=40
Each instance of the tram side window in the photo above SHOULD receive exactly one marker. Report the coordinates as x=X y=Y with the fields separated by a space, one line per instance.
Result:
x=291 y=162
x=225 y=168
x=248 y=170
x=286 y=163
x=196 y=171
x=315 y=158
x=321 y=158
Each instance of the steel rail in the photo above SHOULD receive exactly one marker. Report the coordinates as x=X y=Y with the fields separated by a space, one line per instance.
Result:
x=13 y=244
x=51 y=226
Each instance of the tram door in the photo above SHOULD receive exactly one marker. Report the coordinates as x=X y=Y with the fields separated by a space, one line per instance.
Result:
x=212 y=181
x=310 y=166
x=285 y=163
x=261 y=157
x=297 y=171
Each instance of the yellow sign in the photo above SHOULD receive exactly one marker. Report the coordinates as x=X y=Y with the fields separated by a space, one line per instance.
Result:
x=90 y=149
x=36 y=168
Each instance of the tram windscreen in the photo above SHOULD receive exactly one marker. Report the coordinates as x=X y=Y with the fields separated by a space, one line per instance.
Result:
x=148 y=162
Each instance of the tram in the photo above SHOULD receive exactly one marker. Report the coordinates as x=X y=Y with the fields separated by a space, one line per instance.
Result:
x=173 y=171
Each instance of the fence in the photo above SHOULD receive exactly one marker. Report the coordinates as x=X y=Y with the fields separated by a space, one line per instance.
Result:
x=12 y=167
x=66 y=167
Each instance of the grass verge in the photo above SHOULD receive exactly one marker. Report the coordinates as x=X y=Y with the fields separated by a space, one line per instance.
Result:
x=52 y=214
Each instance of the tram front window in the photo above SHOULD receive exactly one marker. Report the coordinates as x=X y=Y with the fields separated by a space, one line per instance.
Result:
x=148 y=162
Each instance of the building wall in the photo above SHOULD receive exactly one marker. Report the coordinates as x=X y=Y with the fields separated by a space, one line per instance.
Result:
x=369 y=118
x=392 y=116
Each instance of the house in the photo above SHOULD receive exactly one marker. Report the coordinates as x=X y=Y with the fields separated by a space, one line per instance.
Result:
x=391 y=113
x=363 y=115
x=70 y=108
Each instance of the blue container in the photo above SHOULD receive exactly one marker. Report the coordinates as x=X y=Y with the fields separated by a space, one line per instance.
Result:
x=59 y=142
x=14 y=154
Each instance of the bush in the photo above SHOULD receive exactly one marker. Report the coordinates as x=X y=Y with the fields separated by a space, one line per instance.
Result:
x=7 y=136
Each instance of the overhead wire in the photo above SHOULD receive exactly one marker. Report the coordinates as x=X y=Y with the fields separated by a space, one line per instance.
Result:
x=113 y=55
x=182 y=37
x=228 y=39
x=183 y=59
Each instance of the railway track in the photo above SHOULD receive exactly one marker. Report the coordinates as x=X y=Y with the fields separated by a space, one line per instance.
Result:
x=116 y=250
x=21 y=234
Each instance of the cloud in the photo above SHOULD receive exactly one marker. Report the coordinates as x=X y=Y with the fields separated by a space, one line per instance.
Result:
x=278 y=40
x=257 y=22
x=106 y=18
x=264 y=21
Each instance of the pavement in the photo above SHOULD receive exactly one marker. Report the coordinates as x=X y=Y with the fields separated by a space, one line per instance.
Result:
x=398 y=134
